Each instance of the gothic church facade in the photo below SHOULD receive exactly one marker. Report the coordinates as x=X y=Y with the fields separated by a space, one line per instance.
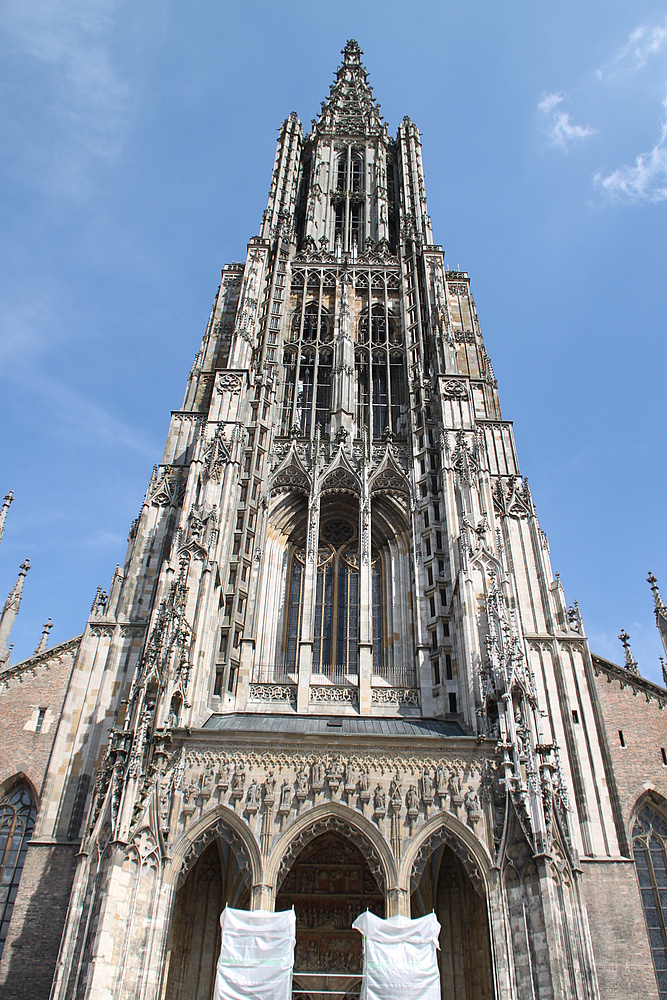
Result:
x=335 y=669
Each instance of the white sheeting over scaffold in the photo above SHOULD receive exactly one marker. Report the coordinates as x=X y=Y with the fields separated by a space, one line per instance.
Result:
x=256 y=955
x=400 y=961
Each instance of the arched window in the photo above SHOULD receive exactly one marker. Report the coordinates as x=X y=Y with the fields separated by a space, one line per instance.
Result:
x=17 y=821
x=649 y=840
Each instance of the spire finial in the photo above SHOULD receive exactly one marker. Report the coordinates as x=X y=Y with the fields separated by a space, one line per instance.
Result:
x=660 y=609
x=3 y=512
x=10 y=611
x=630 y=662
x=41 y=646
x=653 y=583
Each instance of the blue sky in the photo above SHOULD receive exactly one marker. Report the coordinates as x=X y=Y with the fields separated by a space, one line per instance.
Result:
x=138 y=143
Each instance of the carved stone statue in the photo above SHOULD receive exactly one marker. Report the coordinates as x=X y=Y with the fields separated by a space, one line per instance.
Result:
x=207 y=780
x=427 y=786
x=301 y=785
x=471 y=802
x=253 y=794
x=223 y=777
x=395 y=793
x=379 y=800
x=269 y=787
x=412 y=799
x=285 y=796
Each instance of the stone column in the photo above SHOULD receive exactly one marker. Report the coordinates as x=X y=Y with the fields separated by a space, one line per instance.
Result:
x=365 y=654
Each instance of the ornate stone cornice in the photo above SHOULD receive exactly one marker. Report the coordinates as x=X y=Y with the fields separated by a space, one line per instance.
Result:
x=49 y=656
x=614 y=672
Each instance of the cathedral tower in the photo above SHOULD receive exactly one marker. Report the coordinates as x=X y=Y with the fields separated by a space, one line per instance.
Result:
x=335 y=670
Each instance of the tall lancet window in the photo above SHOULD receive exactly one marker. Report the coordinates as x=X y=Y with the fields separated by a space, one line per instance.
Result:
x=377 y=611
x=379 y=353
x=17 y=821
x=337 y=599
x=649 y=842
x=294 y=607
x=307 y=371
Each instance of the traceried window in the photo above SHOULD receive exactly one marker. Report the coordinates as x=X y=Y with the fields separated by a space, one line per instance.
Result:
x=649 y=842
x=336 y=623
x=17 y=821
x=381 y=368
x=307 y=371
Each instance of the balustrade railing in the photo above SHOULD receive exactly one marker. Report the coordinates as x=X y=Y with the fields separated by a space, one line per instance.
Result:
x=400 y=677
x=336 y=674
x=273 y=673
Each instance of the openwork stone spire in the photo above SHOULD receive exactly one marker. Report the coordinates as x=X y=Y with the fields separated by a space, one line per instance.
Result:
x=350 y=108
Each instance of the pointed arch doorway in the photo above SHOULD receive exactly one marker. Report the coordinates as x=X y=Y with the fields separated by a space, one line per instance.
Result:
x=194 y=943
x=445 y=888
x=329 y=884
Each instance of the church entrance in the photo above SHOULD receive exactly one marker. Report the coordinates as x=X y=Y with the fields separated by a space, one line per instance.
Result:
x=194 y=944
x=329 y=885
x=464 y=957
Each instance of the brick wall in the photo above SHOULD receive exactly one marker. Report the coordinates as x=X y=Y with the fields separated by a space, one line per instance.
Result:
x=639 y=765
x=42 y=684
x=618 y=931
x=31 y=950
x=611 y=889
x=31 y=703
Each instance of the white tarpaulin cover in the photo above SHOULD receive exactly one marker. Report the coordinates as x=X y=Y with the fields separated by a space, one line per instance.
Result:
x=400 y=962
x=256 y=955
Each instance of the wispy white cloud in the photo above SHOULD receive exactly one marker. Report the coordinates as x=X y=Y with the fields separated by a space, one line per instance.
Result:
x=85 y=98
x=561 y=130
x=645 y=41
x=646 y=179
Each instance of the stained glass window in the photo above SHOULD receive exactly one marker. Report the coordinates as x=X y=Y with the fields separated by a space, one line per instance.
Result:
x=17 y=821
x=649 y=837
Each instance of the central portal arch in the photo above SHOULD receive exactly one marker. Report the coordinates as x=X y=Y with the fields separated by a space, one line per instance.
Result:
x=329 y=884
